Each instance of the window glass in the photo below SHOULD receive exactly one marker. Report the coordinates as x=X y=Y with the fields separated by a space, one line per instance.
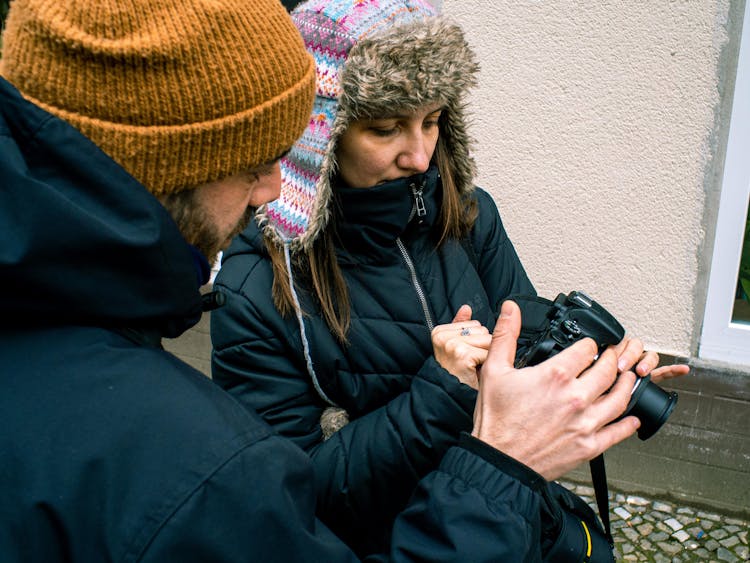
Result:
x=741 y=312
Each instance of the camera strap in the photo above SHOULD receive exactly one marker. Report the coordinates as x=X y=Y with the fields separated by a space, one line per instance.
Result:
x=599 y=480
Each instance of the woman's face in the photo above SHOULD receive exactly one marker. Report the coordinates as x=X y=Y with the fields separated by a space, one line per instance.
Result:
x=374 y=151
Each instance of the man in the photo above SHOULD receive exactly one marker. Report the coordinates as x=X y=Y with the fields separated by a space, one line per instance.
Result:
x=134 y=136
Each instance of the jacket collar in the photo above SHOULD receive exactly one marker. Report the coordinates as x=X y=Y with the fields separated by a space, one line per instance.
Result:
x=369 y=220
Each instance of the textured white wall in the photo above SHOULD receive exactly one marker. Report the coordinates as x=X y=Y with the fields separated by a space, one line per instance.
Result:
x=593 y=123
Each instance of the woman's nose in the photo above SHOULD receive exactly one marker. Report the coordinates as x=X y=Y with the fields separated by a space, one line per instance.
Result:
x=415 y=155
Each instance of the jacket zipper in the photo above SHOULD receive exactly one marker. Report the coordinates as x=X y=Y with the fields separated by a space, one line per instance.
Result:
x=417 y=285
x=419 y=205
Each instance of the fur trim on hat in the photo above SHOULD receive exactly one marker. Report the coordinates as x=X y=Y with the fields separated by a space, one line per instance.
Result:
x=413 y=59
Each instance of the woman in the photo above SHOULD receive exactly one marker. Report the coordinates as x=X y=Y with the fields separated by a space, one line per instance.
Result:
x=379 y=252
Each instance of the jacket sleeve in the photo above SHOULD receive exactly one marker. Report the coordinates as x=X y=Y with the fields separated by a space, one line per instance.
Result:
x=256 y=357
x=479 y=506
x=498 y=264
x=259 y=506
x=365 y=472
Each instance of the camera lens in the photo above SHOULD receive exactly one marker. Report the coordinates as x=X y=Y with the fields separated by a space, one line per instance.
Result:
x=651 y=404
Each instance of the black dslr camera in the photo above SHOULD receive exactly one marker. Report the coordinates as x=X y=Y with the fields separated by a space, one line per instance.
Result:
x=575 y=316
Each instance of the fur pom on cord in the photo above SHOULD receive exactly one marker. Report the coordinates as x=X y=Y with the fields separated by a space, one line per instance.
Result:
x=332 y=420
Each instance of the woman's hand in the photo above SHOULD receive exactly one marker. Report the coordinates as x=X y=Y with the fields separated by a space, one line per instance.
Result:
x=631 y=353
x=461 y=346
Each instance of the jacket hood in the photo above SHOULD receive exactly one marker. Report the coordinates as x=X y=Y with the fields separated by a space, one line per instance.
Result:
x=82 y=241
x=371 y=57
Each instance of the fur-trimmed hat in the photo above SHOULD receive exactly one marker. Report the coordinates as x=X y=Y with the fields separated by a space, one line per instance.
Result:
x=179 y=93
x=371 y=56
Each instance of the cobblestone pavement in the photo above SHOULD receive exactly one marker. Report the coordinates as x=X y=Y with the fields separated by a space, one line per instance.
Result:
x=665 y=532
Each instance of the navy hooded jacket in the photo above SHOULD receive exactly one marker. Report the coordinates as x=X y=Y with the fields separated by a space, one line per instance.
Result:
x=113 y=449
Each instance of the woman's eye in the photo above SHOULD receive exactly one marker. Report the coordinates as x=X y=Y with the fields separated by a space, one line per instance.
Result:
x=384 y=132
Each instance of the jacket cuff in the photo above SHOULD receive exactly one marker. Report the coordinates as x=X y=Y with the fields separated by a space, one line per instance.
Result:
x=464 y=395
x=506 y=464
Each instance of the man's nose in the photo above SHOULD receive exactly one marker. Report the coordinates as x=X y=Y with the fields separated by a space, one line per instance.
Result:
x=267 y=187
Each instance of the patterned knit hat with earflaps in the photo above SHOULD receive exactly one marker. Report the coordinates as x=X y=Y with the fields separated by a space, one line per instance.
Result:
x=178 y=92
x=371 y=56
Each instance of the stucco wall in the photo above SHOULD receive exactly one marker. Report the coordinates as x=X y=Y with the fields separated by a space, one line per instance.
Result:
x=596 y=127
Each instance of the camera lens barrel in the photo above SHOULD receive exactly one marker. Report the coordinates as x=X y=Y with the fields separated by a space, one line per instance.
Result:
x=651 y=404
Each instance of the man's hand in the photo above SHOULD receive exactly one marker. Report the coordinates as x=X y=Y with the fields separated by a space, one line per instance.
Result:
x=557 y=414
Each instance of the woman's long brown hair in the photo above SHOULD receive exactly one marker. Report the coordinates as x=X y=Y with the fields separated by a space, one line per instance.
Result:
x=318 y=269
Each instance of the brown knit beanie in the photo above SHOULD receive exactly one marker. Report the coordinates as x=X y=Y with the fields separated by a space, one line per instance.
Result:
x=178 y=92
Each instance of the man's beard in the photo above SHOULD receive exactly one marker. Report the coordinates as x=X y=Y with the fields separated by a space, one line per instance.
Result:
x=196 y=225
x=202 y=233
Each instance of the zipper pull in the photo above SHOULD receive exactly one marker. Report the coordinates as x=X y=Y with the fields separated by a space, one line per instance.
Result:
x=419 y=200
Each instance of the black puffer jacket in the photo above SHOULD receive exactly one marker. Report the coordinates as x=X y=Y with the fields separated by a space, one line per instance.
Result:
x=405 y=409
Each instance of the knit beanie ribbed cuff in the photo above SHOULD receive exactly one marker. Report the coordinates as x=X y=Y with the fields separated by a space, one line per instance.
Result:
x=179 y=93
x=171 y=158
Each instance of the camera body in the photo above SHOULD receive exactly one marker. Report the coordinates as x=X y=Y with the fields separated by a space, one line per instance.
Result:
x=575 y=316
x=571 y=318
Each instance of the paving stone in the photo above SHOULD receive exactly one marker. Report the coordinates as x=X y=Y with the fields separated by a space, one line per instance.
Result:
x=584 y=491
x=730 y=542
x=668 y=547
x=622 y=513
x=663 y=527
x=637 y=501
x=712 y=545
x=703 y=553
x=654 y=531
x=674 y=524
x=709 y=516
x=645 y=529
x=662 y=507
x=719 y=534
x=725 y=555
x=707 y=524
